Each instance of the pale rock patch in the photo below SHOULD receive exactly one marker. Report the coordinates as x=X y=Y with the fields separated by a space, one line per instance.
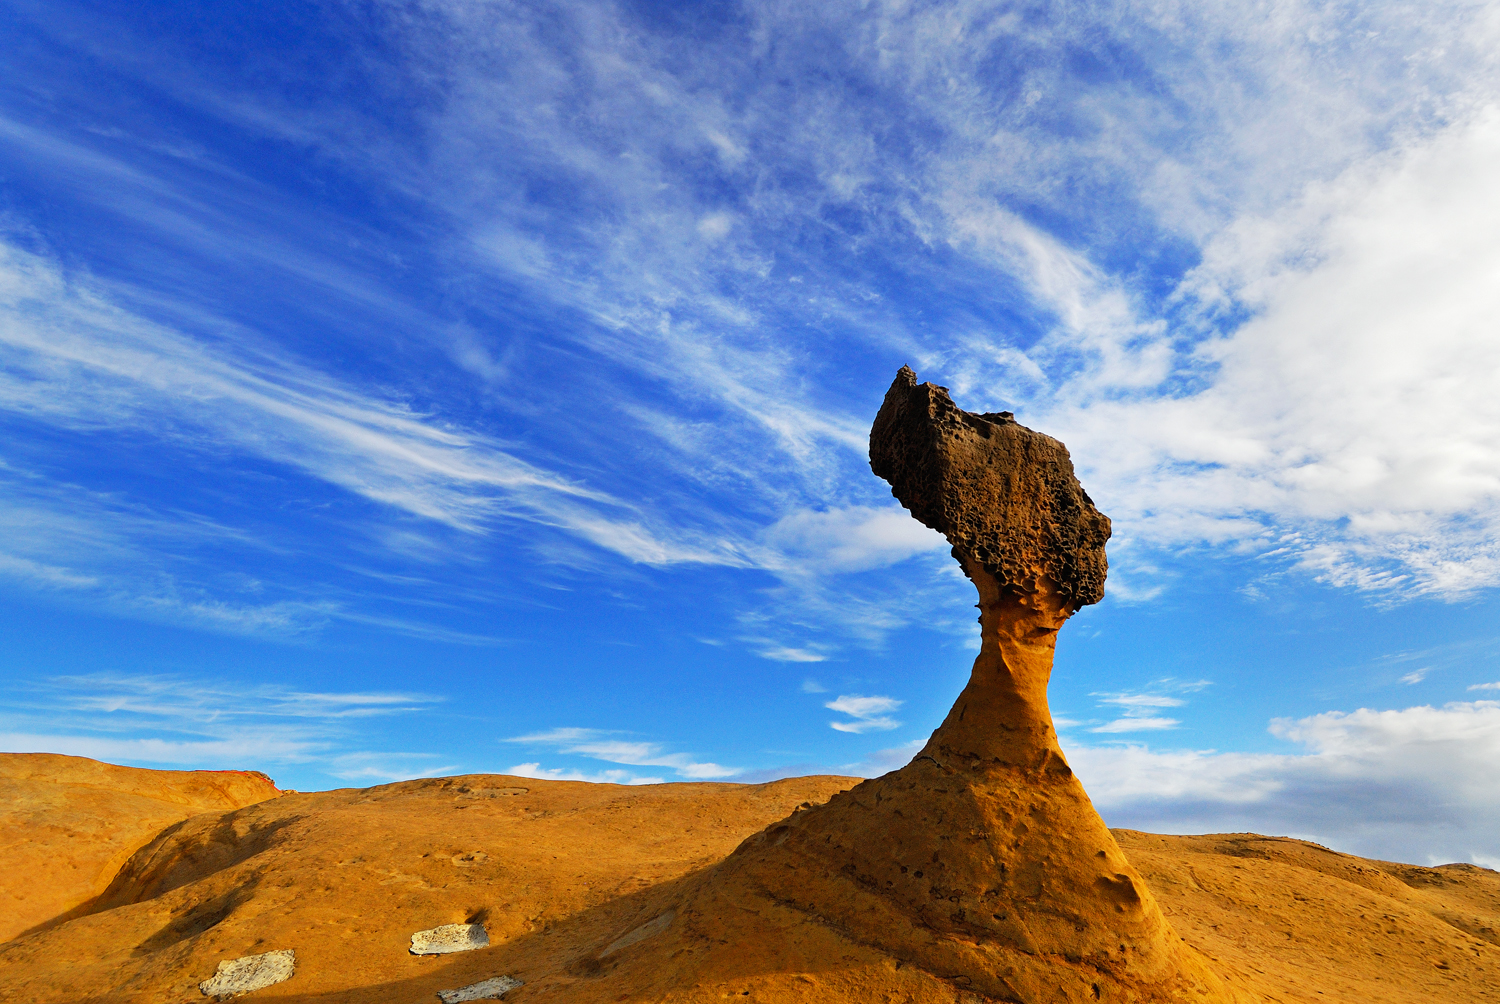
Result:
x=252 y=972
x=450 y=938
x=483 y=990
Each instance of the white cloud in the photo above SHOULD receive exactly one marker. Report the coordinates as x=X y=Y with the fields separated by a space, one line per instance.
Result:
x=1141 y=700
x=79 y=361
x=1416 y=676
x=1415 y=785
x=594 y=743
x=869 y=713
x=1486 y=686
x=862 y=707
x=562 y=774
x=733 y=228
x=849 y=540
x=880 y=762
x=238 y=751
x=1142 y=710
x=886 y=760
x=1143 y=723
x=383 y=768
x=1343 y=426
x=786 y=653
x=180 y=699
x=1296 y=152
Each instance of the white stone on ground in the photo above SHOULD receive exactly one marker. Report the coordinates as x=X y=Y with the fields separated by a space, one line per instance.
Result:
x=450 y=938
x=240 y=976
x=484 y=990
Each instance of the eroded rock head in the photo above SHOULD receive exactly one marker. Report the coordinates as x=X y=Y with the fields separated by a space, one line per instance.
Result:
x=1004 y=496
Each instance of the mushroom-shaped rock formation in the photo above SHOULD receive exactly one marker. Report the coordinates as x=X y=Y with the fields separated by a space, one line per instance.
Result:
x=983 y=860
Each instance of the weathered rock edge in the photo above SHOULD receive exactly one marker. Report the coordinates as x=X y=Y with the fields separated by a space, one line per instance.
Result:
x=983 y=859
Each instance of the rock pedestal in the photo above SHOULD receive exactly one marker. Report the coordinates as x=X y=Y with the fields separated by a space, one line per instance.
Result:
x=983 y=860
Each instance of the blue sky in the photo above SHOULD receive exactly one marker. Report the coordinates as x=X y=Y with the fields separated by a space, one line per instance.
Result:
x=403 y=389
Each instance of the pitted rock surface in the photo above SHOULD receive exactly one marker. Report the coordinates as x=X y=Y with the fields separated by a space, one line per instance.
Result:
x=1004 y=495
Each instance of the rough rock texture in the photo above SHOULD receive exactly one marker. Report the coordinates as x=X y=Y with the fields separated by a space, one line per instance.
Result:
x=1003 y=495
x=984 y=858
x=67 y=823
x=251 y=972
x=450 y=938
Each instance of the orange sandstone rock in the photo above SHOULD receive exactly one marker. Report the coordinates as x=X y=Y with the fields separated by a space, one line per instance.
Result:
x=983 y=859
x=597 y=894
x=67 y=824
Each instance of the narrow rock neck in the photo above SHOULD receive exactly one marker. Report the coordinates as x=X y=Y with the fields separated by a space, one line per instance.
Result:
x=1002 y=714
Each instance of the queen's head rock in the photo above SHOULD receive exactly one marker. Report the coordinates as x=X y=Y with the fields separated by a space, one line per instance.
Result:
x=983 y=859
x=1004 y=496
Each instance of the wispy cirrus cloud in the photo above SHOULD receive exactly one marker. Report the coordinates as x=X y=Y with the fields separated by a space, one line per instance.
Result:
x=377 y=768
x=79 y=361
x=62 y=336
x=597 y=744
x=535 y=769
x=738 y=236
x=233 y=752
x=176 y=721
x=1143 y=711
x=1168 y=399
x=183 y=700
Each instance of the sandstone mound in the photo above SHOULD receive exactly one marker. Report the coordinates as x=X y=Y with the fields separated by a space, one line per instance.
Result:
x=555 y=871
x=67 y=823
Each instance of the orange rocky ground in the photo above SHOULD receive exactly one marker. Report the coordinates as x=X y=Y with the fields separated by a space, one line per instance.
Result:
x=559 y=871
x=68 y=823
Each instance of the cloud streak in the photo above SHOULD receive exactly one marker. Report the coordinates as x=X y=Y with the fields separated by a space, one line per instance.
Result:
x=599 y=745
x=868 y=714
x=173 y=721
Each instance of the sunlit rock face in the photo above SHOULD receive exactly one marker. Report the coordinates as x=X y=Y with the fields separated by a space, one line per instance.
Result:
x=983 y=859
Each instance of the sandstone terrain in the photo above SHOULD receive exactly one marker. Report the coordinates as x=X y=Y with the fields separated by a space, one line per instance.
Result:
x=68 y=823
x=978 y=872
x=558 y=871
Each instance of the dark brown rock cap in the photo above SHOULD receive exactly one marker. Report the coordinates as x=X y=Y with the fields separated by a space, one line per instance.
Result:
x=1004 y=495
